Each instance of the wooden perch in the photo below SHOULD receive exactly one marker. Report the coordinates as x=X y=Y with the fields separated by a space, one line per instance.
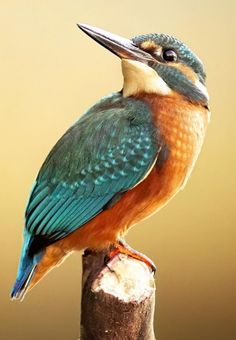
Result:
x=117 y=300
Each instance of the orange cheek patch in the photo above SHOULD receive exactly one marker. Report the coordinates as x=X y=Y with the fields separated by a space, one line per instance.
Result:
x=187 y=71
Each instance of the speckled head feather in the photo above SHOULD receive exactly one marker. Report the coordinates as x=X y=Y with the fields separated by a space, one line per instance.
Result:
x=185 y=55
x=184 y=75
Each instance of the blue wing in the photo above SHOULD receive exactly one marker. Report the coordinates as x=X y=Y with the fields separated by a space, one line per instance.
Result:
x=106 y=152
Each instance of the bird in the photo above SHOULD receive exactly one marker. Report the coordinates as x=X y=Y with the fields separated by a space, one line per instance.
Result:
x=123 y=159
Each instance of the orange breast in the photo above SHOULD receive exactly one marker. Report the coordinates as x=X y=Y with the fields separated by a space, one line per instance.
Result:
x=182 y=126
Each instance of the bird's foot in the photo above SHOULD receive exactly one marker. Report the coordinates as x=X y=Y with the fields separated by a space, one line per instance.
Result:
x=123 y=248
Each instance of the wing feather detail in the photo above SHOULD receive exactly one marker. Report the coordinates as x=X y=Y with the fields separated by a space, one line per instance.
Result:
x=107 y=151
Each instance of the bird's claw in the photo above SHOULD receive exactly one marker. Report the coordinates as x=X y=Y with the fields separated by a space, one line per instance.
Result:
x=123 y=248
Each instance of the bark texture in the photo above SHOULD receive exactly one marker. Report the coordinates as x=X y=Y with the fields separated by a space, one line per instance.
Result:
x=118 y=299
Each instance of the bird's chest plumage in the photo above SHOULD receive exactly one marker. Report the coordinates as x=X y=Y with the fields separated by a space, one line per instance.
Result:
x=182 y=128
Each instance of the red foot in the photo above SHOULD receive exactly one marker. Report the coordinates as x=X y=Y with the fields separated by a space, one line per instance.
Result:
x=123 y=248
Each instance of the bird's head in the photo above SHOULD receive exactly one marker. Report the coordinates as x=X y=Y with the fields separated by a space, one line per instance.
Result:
x=155 y=63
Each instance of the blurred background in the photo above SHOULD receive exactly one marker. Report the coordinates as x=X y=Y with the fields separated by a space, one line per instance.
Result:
x=50 y=73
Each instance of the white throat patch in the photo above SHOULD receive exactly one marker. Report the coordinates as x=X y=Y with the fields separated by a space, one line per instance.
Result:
x=202 y=88
x=139 y=77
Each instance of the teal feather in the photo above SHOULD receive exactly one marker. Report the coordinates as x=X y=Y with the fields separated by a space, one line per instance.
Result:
x=57 y=209
x=27 y=265
x=106 y=152
x=67 y=216
x=38 y=212
x=41 y=195
x=56 y=219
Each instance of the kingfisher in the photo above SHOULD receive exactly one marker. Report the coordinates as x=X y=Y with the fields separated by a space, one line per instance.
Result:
x=122 y=160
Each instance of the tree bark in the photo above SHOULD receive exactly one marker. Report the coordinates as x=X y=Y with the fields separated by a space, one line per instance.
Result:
x=118 y=299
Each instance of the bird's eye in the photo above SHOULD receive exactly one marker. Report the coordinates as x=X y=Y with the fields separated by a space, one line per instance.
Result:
x=169 y=55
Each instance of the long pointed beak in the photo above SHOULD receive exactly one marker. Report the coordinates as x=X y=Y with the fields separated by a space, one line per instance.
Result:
x=122 y=47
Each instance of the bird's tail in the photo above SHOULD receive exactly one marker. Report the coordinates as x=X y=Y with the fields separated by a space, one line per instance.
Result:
x=26 y=269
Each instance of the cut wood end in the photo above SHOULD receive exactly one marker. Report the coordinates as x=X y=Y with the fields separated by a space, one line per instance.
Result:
x=118 y=299
x=128 y=279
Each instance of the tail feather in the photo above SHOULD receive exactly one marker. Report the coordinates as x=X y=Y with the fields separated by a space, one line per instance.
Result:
x=22 y=283
x=37 y=259
x=27 y=266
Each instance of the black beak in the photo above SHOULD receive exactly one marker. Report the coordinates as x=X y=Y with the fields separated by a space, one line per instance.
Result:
x=122 y=47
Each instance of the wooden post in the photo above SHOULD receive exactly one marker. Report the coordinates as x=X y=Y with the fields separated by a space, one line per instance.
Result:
x=118 y=300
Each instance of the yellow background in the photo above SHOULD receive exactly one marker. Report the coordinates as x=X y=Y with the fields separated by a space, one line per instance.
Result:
x=50 y=72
